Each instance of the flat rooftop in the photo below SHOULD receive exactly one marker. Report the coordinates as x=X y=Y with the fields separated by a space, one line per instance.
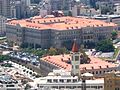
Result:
x=61 y=61
x=59 y=23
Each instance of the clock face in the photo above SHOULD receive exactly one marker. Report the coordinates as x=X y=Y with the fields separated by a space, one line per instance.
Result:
x=76 y=58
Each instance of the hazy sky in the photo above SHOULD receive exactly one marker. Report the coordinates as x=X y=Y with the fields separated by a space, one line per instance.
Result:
x=77 y=0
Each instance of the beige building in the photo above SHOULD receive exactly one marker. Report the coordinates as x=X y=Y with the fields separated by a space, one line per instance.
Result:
x=57 y=32
x=112 y=81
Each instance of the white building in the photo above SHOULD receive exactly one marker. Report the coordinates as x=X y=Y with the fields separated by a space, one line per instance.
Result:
x=81 y=10
x=2 y=25
x=62 y=80
x=117 y=7
x=7 y=83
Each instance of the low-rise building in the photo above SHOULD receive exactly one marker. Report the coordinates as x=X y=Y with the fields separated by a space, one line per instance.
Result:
x=96 y=66
x=62 y=80
x=112 y=81
x=57 y=31
x=117 y=7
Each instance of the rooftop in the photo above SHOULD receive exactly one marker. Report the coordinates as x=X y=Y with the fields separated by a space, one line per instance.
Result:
x=61 y=61
x=59 y=23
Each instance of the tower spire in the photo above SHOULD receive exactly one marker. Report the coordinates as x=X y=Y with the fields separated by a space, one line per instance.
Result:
x=75 y=62
x=75 y=47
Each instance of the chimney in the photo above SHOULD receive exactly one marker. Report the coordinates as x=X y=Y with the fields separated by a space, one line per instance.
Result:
x=92 y=67
x=62 y=59
x=107 y=66
x=100 y=67
x=69 y=59
x=49 y=57
x=84 y=68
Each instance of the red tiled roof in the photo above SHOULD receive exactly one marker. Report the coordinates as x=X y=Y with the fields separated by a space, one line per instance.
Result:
x=95 y=63
x=59 y=23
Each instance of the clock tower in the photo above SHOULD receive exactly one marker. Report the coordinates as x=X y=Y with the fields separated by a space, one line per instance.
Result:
x=75 y=60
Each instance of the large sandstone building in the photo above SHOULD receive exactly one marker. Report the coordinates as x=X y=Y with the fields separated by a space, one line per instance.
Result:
x=40 y=32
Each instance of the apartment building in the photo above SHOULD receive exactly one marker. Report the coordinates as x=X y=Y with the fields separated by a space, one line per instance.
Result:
x=2 y=25
x=82 y=10
x=5 y=8
x=57 y=31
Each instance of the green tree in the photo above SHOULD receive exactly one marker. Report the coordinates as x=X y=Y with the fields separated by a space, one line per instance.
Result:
x=104 y=10
x=52 y=51
x=62 y=51
x=114 y=34
x=105 y=46
x=4 y=57
x=84 y=57
x=89 y=45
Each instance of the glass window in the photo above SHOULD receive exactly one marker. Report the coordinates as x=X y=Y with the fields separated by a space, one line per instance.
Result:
x=87 y=86
x=74 y=87
x=94 y=87
x=76 y=58
x=61 y=87
x=55 y=80
x=55 y=87
x=79 y=87
x=49 y=80
x=37 y=85
x=9 y=85
x=68 y=80
x=74 y=80
x=61 y=80
x=100 y=87
x=96 y=72
x=77 y=66
x=68 y=86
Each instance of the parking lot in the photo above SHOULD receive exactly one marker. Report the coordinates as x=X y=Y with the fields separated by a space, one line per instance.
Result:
x=25 y=57
x=28 y=60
